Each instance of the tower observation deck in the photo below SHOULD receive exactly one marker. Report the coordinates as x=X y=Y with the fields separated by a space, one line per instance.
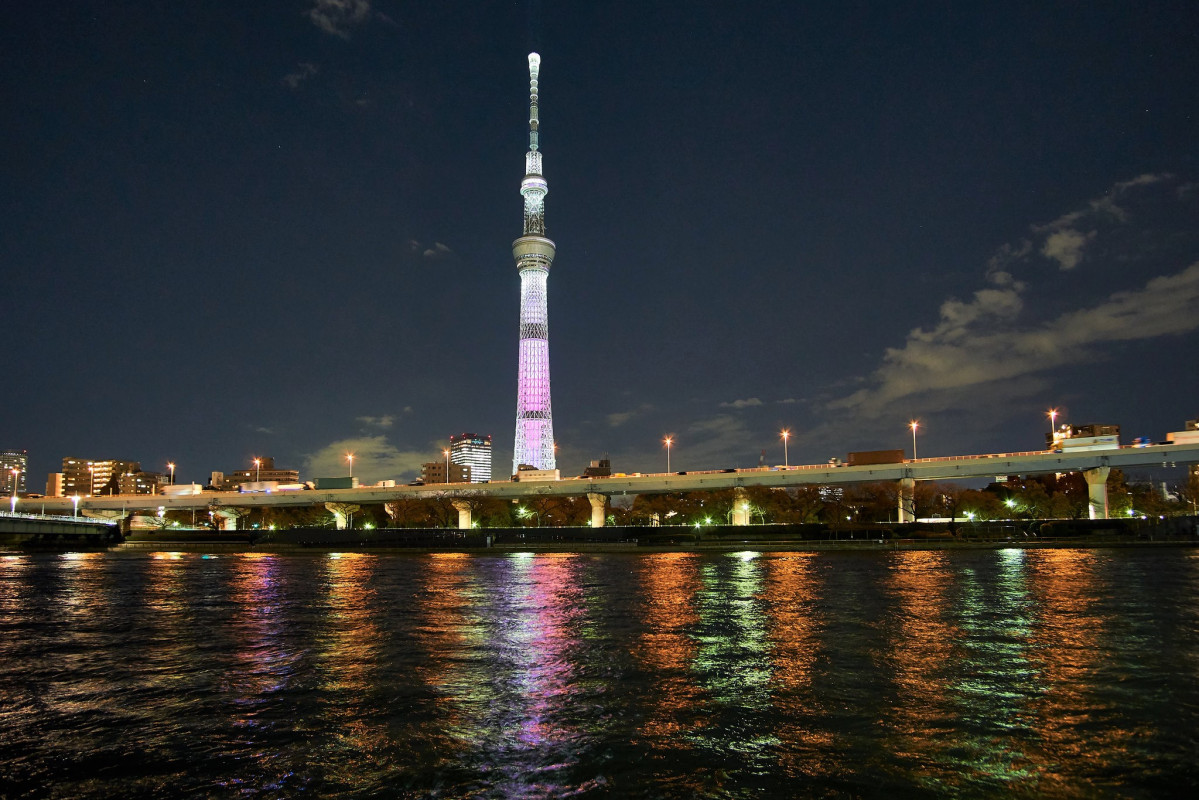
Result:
x=534 y=253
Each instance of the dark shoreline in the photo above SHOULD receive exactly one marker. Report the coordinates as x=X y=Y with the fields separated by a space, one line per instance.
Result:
x=625 y=548
x=1172 y=532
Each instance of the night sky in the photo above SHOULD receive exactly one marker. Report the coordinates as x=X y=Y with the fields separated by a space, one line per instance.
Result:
x=284 y=229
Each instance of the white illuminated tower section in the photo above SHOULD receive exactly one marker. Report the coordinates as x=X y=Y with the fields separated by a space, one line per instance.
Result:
x=533 y=253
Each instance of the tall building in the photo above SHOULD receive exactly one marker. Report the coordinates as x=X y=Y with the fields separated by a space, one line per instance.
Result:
x=533 y=252
x=473 y=451
x=13 y=460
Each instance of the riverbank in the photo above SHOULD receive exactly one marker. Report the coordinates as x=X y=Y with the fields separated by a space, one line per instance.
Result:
x=1176 y=532
x=233 y=548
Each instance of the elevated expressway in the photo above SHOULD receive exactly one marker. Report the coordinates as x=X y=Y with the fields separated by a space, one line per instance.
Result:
x=1093 y=464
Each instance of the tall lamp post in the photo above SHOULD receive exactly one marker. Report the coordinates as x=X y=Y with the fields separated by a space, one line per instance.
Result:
x=350 y=459
x=1052 y=414
x=171 y=467
x=15 y=473
x=75 y=499
x=446 y=453
x=914 y=425
x=257 y=469
x=786 y=461
x=668 y=441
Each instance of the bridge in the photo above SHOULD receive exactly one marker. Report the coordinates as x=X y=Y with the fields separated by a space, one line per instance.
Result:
x=1095 y=465
x=26 y=528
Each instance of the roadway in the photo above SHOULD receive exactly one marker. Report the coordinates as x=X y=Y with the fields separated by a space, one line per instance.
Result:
x=925 y=469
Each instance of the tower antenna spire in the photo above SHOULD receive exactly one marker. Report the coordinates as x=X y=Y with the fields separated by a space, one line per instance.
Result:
x=534 y=445
x=534 y=68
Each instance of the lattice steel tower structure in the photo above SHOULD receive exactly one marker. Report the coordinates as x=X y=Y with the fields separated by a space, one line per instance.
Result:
x=533 y=253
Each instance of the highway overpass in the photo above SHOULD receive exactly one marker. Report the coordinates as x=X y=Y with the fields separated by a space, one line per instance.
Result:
x=1093 y=464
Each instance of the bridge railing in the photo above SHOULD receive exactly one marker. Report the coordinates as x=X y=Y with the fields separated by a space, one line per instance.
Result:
x=57 y=518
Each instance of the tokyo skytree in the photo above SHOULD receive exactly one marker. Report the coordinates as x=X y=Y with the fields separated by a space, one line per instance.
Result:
x=533 y=253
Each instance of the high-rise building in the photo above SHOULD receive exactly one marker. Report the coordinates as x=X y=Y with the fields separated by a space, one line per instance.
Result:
x=534 y=253
x=11 y=460
x=474 y=451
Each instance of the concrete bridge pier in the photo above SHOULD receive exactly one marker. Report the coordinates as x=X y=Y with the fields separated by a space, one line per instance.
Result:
x=228 y=517
x=907 y=499
x=465 y=521
x=342 y=512
x=740 y=506
x=123 y=518
x=1097 y=489
x=598 y=506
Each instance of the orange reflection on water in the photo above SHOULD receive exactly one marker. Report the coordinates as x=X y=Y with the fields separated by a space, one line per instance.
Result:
x=922 y=650
x=79 y=605
x=348 y=649
x=84 y=579
x=1068 y=647
x=446 y=630
x=795 y=632
x=670 y=583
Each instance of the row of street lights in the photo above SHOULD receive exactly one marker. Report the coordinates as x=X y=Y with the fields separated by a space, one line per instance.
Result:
x=668 y=441
x=785 y=435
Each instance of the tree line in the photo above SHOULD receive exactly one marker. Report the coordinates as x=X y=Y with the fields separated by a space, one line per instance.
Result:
x=1036 y=497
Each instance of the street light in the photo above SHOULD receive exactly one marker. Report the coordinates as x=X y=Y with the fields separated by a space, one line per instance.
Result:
x=668 y=441
x=446 y=453
x=1052 y=414
x=15 y=473
x=76 y=500
x=914 y=425
x=171 y=467
x=257 y=469
x=786 y=460
x=350 y=458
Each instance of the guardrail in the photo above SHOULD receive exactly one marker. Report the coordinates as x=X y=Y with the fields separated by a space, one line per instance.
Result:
x=58 y=518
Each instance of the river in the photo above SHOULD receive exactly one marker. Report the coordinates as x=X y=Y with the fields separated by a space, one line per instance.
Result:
x=975 y=673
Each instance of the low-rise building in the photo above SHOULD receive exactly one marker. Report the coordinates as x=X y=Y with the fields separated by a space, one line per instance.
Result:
x=262 y=470
x=435 y=472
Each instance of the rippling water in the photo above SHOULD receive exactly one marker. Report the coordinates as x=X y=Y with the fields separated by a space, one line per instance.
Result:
x=1062 y=673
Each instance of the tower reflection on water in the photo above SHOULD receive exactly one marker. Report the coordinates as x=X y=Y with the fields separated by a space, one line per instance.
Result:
x=665 y=674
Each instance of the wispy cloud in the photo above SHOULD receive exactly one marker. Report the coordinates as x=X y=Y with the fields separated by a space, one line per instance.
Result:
x=300 y=74
x=435 y=251
x=749 y=402
x=375 y=459
x=619 y=418
x=1065 y=246
x=337 y=17
x=384 y=422
x=995 y=340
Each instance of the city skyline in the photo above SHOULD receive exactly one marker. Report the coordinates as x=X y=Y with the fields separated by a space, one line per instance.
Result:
x=235 y=231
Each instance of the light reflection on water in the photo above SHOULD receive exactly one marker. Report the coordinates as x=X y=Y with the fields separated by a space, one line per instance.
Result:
x=1065 y=673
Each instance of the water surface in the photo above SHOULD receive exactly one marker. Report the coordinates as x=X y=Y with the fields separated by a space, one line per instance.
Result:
x=1059 y=673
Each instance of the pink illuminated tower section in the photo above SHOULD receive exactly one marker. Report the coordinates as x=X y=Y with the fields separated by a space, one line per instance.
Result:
x=533 y=253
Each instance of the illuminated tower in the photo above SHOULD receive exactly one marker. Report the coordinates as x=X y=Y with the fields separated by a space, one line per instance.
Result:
x=533 y=253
